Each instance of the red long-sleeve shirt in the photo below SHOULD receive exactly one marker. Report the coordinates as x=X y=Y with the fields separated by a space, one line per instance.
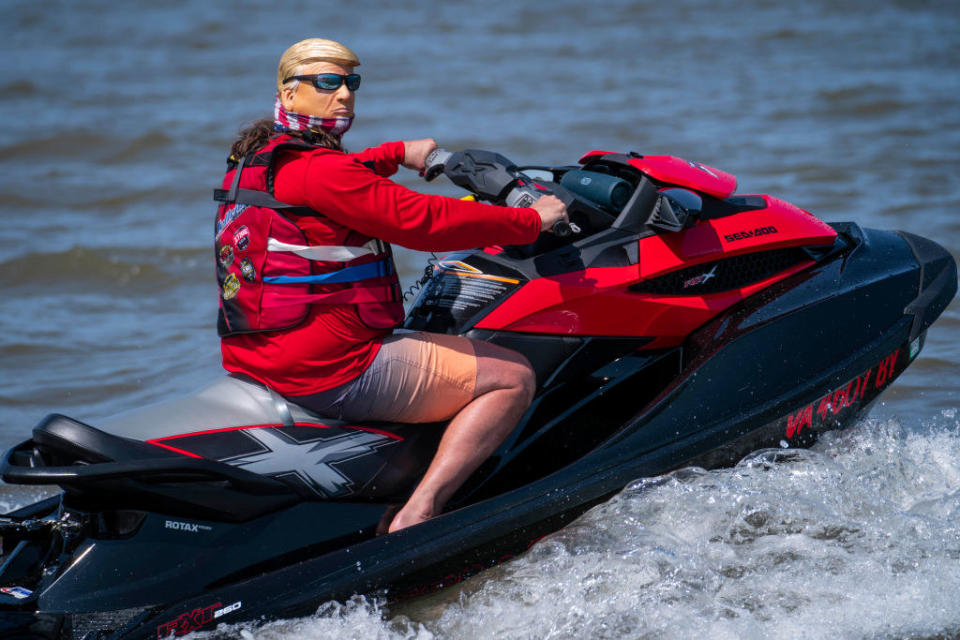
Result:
x=332 y=346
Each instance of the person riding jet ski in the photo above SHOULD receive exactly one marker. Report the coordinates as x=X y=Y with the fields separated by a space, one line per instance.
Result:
x=309 y=294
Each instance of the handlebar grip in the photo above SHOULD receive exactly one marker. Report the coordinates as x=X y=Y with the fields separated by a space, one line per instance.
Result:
x=435 y=163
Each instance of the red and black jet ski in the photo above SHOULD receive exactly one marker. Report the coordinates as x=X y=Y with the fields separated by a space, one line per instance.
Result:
x=671 y=323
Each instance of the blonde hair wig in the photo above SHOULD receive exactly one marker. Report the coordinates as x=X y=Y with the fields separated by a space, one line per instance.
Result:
x=310 y=51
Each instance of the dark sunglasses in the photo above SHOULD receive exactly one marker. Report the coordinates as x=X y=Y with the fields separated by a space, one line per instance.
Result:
x=329 y=81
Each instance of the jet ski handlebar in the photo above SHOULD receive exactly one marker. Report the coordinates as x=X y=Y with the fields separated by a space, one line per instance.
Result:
x=434 y=164
x=493 y=177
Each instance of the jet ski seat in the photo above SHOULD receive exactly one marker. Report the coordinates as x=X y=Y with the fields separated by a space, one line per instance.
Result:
x=230 y=401
x=91 y=464
x=216 y=451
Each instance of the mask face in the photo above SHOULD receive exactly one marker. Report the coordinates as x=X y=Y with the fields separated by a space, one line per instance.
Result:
x=308 y=100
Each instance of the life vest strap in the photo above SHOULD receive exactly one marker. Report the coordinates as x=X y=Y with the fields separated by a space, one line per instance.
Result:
x=377 y=269
x=256 y=199
x=253 y=196
x=364 y=295
x=326 y=253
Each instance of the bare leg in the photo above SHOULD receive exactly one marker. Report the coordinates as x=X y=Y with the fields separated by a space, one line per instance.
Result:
x=504 y=390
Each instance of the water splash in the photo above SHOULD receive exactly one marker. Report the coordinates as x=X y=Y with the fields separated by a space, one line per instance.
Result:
x=358 y=618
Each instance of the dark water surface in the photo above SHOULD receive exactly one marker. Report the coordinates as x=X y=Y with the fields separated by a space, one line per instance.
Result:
x=117 y=119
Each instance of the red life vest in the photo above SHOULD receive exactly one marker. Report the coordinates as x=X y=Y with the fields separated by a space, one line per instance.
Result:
x=269 y=274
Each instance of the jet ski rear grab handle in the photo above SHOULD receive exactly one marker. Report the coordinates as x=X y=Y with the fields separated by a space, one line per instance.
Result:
x=188 y=470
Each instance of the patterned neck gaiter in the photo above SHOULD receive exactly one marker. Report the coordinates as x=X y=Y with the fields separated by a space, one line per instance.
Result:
x=286 y=121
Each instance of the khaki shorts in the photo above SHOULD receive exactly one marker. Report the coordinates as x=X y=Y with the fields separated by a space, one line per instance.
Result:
x=416 y=377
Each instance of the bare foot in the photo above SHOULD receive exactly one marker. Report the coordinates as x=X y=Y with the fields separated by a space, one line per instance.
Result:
x=387 y=518
x=408 y=516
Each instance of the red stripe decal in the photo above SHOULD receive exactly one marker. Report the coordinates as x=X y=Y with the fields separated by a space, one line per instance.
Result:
x=174 y=449
x=160 y=441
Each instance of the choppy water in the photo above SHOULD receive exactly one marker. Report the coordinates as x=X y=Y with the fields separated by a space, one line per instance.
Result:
x=117 y=120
